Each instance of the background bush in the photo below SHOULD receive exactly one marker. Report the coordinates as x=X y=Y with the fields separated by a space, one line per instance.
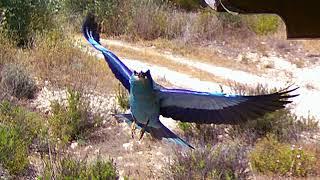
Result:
x=21 y=19
x=17 y=81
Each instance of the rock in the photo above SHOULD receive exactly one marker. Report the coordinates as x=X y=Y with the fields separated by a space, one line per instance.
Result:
x=74 y=145
x=128 y=146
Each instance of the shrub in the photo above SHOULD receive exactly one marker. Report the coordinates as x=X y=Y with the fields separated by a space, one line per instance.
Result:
x=68 y=167
x=18 y=129
x=270 y=156
x=264 y=24
x=71 y=122
x=122 y=97
x=22 y=18
x=223 y=161
x=17 y=82
x=102 y=169
x=13 y=150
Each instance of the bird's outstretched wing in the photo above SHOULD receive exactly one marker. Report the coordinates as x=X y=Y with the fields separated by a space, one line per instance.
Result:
x=121 y=71
x=205 y=108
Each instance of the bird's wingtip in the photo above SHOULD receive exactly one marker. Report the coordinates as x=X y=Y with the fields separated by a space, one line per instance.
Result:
x=90 y=25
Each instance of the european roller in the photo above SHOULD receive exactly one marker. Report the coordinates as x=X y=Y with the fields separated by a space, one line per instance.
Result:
x=148 y=100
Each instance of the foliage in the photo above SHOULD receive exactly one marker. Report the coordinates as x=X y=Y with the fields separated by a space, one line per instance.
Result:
x=188 y=4
x=71 y=122
x=270 y=156
x=222 y=161
x=18 y=129
x=17 y=82
x=122 y=97
x=264 y=24
x=13 y=150
x=22 y=18
x=102 y=169
x=68 y=167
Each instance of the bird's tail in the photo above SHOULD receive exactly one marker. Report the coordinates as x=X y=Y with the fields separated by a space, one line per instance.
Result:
x=160 y=133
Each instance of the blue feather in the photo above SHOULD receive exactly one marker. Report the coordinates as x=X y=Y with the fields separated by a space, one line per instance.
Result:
x=120 y=70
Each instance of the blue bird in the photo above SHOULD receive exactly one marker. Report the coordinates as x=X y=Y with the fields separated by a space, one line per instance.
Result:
x=148 y=100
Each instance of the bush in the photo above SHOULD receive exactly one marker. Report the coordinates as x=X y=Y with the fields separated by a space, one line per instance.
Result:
x=17 y=82
x=18 y=129
x=13 y=150
x=223 y=161
x=264 y=24
x=68 y=167
x=22 y=18
x=71 y=122
x=270 y=156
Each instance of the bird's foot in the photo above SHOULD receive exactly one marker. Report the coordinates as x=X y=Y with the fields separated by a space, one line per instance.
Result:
x=143 y=130
x=133 y=129
x=142 y=133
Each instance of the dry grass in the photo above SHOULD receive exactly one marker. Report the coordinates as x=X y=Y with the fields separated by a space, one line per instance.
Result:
x=201 y=53
x=313 y=46
x=65 y=65
x=161 y=61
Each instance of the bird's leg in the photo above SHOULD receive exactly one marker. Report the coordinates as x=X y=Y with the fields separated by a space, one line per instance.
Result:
x=133 y=128
x=143 y=130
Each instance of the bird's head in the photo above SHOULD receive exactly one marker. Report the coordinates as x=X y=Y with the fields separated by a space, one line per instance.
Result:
x=140 y=75
x=142 y=78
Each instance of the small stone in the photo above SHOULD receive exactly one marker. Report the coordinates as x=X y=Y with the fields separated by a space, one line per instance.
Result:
x=74 y=145
x=128 y=146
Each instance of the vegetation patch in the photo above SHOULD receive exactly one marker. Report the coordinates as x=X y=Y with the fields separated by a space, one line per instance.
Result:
x=19 y=128
x=73 y=121
x=272 y=157
x=16 y=81
x=67 y=167
x=223 y=161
